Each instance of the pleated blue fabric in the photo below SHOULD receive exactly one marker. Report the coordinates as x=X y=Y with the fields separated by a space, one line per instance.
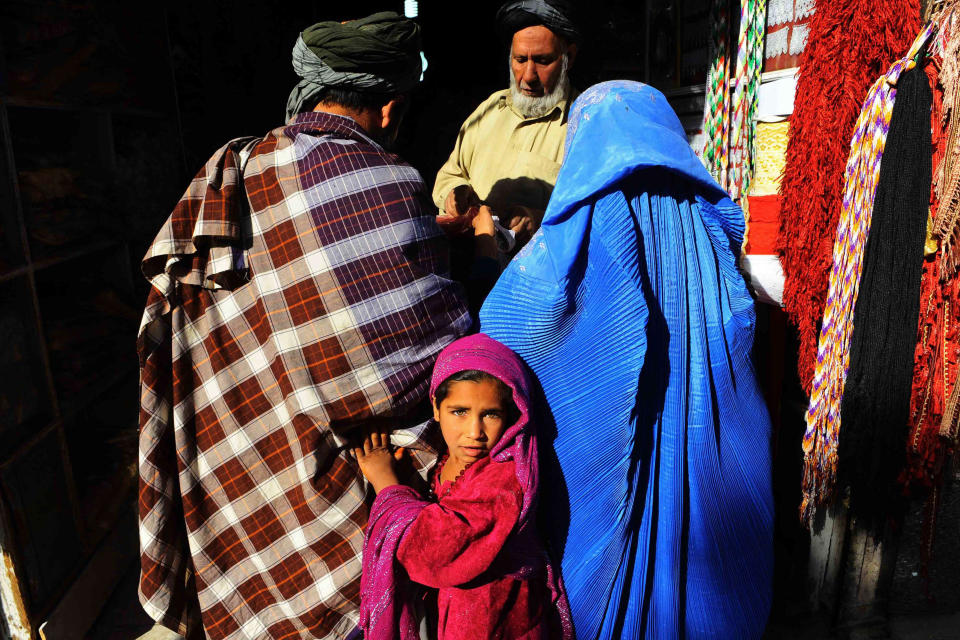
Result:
x=628 y=307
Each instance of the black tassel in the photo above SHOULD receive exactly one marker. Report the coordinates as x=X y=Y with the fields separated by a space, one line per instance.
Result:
x=876 y=399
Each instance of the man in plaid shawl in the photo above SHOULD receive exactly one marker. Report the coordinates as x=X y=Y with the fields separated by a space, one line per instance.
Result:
x=299 y=291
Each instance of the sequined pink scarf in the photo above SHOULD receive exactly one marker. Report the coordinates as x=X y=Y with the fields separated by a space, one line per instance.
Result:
x=386 y=611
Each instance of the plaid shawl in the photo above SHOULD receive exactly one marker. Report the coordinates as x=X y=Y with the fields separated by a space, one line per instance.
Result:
x=299 y=288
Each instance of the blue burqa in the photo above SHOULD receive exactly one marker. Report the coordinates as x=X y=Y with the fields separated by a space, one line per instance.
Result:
x=628 y=306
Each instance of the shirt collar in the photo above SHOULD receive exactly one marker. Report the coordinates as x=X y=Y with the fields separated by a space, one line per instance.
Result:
x=331 y=123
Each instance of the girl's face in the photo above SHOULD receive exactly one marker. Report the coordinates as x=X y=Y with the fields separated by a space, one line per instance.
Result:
x=472 y=419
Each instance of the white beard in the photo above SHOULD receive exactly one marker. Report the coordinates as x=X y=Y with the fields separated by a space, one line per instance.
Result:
x=538 y=106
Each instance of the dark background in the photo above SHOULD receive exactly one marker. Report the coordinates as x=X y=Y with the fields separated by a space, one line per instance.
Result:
x=220 y=69
x=231 y=61
x=120 y=103
x=108 y=108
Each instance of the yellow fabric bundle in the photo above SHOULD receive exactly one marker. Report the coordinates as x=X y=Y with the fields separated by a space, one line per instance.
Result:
x=771 y=156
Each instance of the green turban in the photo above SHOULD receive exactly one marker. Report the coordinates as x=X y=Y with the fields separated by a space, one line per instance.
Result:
x=376 y=54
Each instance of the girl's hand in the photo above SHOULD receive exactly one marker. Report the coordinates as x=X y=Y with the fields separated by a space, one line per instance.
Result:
x=483 y=232
x=376 y=461
x=483 y=222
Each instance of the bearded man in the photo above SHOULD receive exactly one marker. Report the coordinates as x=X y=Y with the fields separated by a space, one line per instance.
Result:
x=299 y=291
x=508 y=152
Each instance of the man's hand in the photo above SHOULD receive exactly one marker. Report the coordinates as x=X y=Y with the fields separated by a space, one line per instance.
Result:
x=460 y=199
x=376 y=461
x=523 y=221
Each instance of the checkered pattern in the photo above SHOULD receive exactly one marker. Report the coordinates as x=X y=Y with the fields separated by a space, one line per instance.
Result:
x=299 y=289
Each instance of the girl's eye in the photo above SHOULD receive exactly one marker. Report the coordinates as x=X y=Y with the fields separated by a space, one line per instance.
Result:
x=493 y=415
x=459 y=412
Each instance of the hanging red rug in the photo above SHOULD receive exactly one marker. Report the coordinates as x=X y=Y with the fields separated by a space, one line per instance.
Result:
x=934 y=399
x=850 y=45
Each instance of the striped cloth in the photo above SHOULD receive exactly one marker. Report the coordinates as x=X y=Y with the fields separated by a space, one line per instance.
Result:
x=729 y=121
x=743 y=102
x=298 y=289
x=833 y=353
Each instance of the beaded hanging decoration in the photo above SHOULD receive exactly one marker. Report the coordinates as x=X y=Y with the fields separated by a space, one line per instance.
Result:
x=833 y=360
x=729 y=123
x=717 y=98
x=744 y=101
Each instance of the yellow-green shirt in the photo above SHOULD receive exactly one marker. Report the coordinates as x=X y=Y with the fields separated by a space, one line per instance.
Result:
x=508 y=159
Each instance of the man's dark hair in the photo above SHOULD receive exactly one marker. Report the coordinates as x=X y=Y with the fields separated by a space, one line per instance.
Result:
x=352 y=99
x=473 y=375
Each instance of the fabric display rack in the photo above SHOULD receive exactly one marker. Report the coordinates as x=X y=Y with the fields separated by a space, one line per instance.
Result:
x=749 y=97
x=71 y=214
x=852 y=217
x=736 y=118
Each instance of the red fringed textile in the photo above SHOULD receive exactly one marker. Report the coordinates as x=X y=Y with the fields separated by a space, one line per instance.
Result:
x=850 y=45
x=937 y=354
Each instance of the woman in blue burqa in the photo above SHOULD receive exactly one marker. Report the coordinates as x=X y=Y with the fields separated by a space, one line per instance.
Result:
x=628 y=306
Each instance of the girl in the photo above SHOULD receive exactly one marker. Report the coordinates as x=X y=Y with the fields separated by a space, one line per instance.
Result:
x=474 y=538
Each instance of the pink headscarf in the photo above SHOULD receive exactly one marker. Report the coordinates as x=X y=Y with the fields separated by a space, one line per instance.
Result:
x=385 y=612
x=480 y=352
